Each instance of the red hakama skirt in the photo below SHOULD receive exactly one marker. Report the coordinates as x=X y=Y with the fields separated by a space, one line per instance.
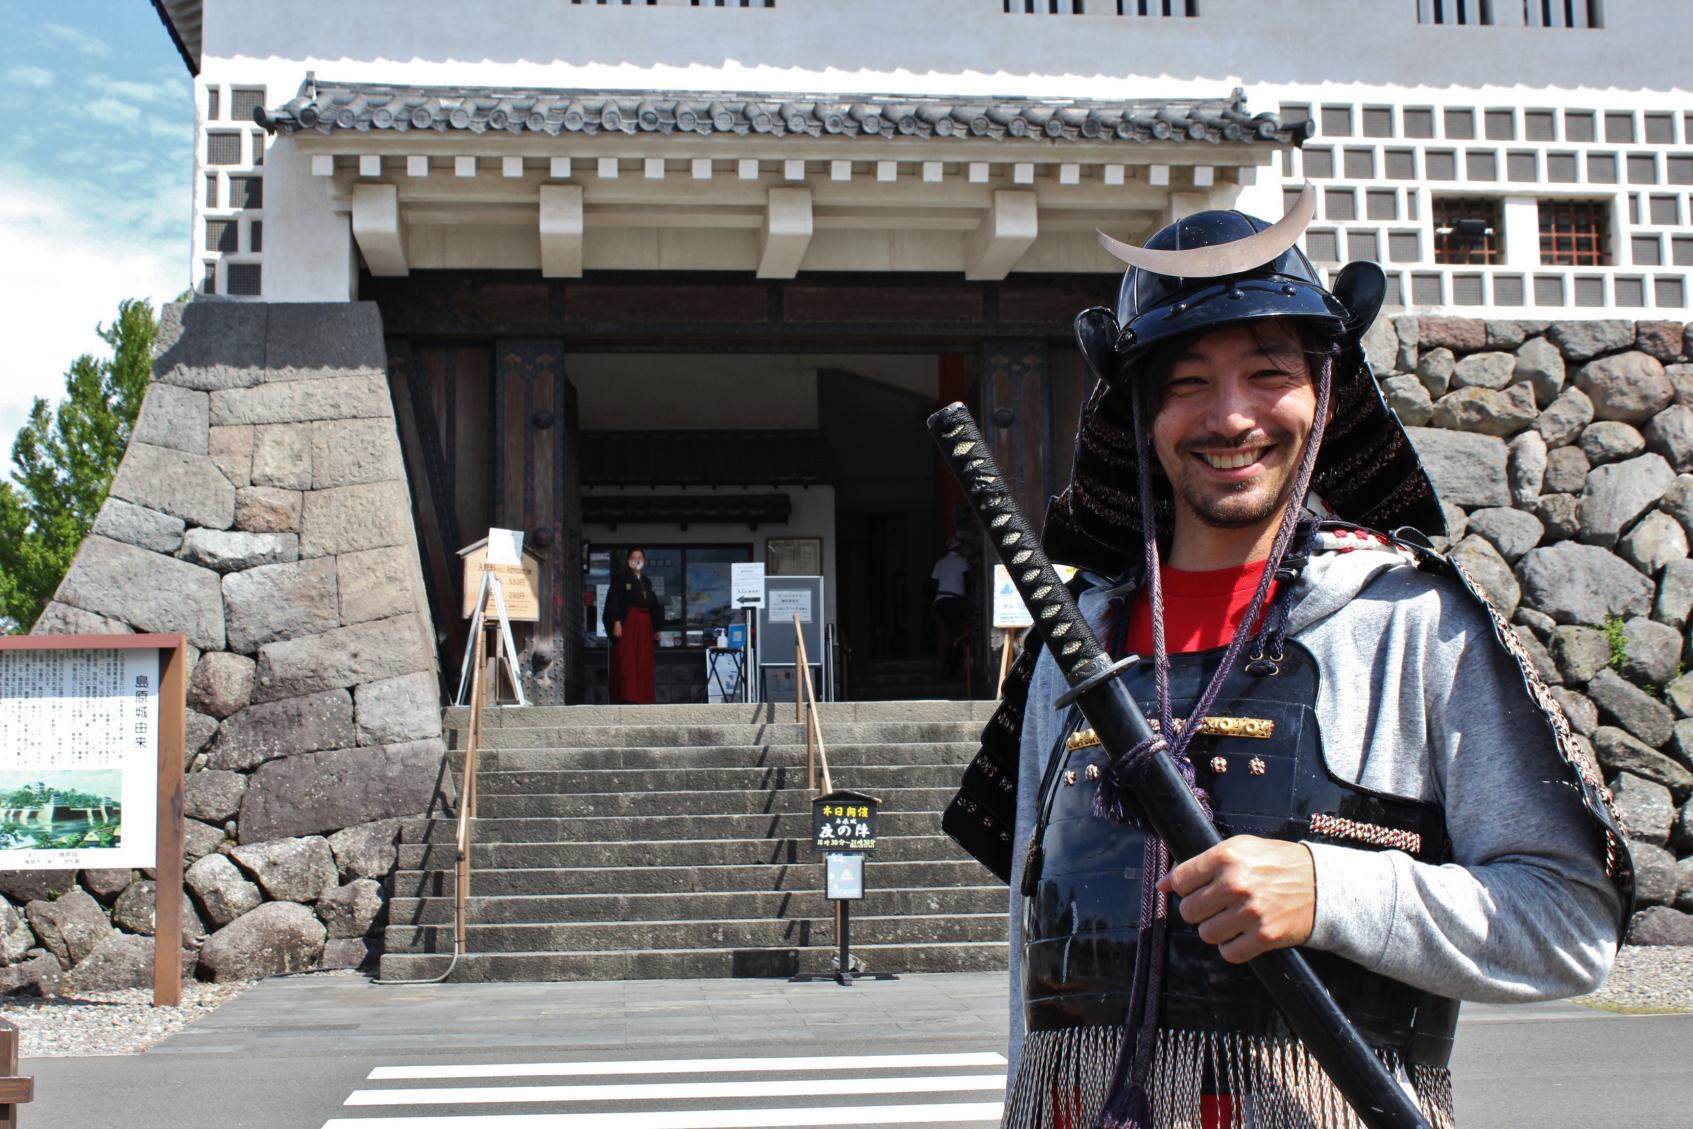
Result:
x=632 y=660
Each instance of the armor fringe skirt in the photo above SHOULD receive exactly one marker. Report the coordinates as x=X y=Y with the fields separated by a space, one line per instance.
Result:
x=1275 y=1084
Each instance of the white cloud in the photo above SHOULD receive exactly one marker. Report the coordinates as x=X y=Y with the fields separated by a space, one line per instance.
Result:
x=81 y=40
x=38 y=77
x=113 y=112
x=67 y=272
x=140 y=91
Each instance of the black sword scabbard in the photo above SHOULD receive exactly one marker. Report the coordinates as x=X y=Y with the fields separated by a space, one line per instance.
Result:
x=1160 y=791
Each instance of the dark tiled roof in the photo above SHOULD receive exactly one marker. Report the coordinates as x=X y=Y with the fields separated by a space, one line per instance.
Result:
x=328 y=107
x=182 y=22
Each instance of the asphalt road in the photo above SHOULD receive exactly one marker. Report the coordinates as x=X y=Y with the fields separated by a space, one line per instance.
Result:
x=336 y=1052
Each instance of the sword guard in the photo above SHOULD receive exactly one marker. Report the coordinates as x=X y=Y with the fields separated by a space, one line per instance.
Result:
x=1096 y=679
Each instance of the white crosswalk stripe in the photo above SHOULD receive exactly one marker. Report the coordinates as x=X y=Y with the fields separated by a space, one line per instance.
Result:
x=815 y=1091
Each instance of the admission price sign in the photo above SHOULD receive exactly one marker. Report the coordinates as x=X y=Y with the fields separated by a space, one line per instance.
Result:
x=91 y=740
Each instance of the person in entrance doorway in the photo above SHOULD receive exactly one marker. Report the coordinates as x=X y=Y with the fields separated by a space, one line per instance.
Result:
x=1398 y=792
x=949 y=584
x=633 y=617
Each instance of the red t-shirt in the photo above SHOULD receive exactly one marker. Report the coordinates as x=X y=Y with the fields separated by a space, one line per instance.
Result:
x=1202 y=610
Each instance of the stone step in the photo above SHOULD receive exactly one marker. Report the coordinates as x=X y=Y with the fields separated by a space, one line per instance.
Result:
x=802 y=875
x=875 y=779
x=701 y=824
x=828 y=713
x=695 y=736
x=600 y=936
x=842 y=758
x=674 y=964
x=672 y=852
x=646 y=804
x=773 y=905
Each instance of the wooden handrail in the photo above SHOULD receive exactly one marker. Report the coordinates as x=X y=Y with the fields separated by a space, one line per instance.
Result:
x=14 y=1090
x=805 y=709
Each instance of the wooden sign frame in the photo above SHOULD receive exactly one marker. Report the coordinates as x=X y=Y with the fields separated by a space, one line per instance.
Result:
x=172 y=736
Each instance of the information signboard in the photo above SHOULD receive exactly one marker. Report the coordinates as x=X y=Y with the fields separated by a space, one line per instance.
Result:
x=844 y=821
x=746 y=585
x=784 y=598
x=1009 y=611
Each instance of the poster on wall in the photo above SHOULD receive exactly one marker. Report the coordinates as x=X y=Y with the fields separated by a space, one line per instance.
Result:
x=794 y=556
x=79 y=767
x=786 y=603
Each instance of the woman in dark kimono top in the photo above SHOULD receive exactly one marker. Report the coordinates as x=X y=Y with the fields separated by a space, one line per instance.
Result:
x=632 y=619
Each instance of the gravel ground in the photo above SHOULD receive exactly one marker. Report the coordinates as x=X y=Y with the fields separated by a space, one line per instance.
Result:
x=1647 y=978
x=108 y=1023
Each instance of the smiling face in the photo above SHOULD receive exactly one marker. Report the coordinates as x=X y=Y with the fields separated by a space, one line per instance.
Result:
x=636 y=560
x=1235 y=409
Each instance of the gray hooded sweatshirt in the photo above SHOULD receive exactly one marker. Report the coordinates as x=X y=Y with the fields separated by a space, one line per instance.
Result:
x=1416 y=698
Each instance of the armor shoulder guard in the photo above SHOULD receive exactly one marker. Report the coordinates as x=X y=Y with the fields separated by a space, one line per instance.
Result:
x=1584 y=773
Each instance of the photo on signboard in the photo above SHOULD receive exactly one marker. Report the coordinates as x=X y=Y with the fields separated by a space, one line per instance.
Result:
x=60 y=809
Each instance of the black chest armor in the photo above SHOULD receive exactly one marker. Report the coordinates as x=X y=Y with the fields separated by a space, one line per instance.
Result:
x=1080 y=913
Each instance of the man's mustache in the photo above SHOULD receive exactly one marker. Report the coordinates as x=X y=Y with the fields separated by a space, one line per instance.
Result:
x=1256 y=438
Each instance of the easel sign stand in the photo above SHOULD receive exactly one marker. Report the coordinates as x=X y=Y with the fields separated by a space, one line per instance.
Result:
x=90 y=710
x=746 y=592
x=843 y=828
x=484 y=643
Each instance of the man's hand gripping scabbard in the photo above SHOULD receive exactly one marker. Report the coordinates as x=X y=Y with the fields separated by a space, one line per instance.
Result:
x=1160 y=791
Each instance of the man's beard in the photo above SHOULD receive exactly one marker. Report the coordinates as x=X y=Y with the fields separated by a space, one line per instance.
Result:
x=1246 y=504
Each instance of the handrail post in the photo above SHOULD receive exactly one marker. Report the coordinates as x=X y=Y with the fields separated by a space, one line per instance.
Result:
x=14 y=1090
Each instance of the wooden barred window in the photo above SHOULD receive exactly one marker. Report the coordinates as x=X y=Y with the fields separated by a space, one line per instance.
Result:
x=1468 y=232
x=1574 y=233
x=1176 y=8
x=1465 y=12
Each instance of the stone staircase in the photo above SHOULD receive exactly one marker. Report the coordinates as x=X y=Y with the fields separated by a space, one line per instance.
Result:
x=644 y=842
x=883 y=680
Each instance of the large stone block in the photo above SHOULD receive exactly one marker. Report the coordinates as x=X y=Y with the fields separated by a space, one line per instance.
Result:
x=146 y=590
x=347 y=656
x=1526 y=467
x=38 y=975
x=106 y=883
x=69 y=926
x=1651 y=651
x=16 y=937
x=348 y=519
x=24 y=886
x=199 y=840
x=1609 y=441
x=213 y=795
x=312 y=340
x=367 y=850
x=136 y=912
x=407 y=708
x=1477 y=556
x=1576 y=583
x=1461 y=335
x=1660 y=925
x=1674 y=604
x=1580 y=652
x=269 y=730
x=1409 y=400
x=1381 y=347
x=209 y=345
x=1618 y=751
x=228 y=550
x=62 y=619
x=1670 y=434
x=221 y=684
x=178 y=483
x=1540 y=364
x=290 y=870
x=1511 y=531
x=1434 y=370
x=139 y=526
x=1468 y=470
x=272 y=939
x=1617 y=494
x=1581 y=340
x=1564 y=417
x=1655 y=541
x=1677 y=501
x=1661 y=339
x=282 y=456
x=1654 y=873
x=361 y=396
x=280 y=601
x=173 y=416
x=1486 y=411
x=348 y=452
x=1566 y=470
x=1630 y=387
x=1485 y=370
x=1645 y=806
x=317 y=792
x=351 y=910
x=231 y=450
x=220 y=889
x=268 y=509
x=1623 y=703
x=378 y=583
x=117 y=962
x=1583 y=715
x=201 y=729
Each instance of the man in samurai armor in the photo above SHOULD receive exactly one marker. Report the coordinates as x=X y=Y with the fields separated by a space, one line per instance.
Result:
x=1398 y=792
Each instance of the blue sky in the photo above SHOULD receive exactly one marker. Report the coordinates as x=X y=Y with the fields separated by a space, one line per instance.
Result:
x=96 y=180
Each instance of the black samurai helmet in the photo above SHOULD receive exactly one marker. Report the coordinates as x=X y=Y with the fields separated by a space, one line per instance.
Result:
x=1204 y=272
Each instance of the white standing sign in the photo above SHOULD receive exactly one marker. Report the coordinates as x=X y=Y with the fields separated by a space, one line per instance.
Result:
x=746 y=585
x=505 y=546
x=79 y=758
x=1009 y=610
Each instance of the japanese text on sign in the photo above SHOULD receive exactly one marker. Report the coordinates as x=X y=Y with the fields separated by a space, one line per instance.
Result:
x=843 y=825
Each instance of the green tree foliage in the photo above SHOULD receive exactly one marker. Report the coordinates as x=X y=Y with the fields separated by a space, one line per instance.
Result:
x=63 y=461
